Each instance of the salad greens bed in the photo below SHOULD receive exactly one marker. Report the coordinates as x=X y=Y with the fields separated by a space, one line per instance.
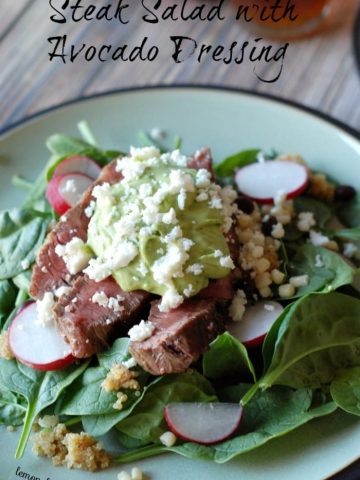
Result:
x=308 y=367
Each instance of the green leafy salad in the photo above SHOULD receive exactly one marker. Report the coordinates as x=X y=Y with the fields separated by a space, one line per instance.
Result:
x=281 y=276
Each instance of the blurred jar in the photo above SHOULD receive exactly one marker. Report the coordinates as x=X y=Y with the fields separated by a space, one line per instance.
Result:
x=287 y=18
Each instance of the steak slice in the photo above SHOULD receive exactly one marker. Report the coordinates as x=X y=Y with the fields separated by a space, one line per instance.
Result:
x=180 y=336
x=50 y=271
x=90 y=327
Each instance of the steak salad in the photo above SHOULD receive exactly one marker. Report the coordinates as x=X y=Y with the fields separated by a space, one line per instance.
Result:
x=189 y=307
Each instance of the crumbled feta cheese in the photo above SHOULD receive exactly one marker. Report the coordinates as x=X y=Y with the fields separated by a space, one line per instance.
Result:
x=169 y=217
x=25 y=264
x=306 y=220
x=195 y=269
x=142 y=269
x=75 y=254
x=227 y=262
x=218 y=253
x=48 y=421
x=299 y=281
x=44 y=309
x=97 y=270
x=179 y=180
x=131 y=363
x=137 y=474
x=202 y=197
x=238 y=306
x=203 y=178
x=123 y=475
x=181 y=199
x=145 y=190
x=350 y=249
x=100 y=298
x=141 y=332
x=319 y=263
x=216 y=202
x=318 y=239
x=278 y=231
x=108 y=302
x=171 y=299
x=90 y=209
x=186 y=243
x=168 y=439
x=63 y=290
x=188 y=290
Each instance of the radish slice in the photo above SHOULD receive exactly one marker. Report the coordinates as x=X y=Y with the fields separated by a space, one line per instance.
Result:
x=78 y=164
x=204 y=423
x=252 y=329
x=65 y=191
x=35 y=345
x=263 y=181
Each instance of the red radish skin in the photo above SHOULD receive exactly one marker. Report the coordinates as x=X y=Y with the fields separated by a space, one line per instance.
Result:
x=203 y=423
x=262 y=181
x=78 y=164
x=36 y=346
x=62 y=199
x=252 y=329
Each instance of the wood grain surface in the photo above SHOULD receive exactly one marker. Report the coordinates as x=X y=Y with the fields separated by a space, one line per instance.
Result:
x=320 y=71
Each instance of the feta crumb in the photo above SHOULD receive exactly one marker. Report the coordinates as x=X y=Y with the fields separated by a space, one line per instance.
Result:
x=181 y=199
x=131 y=363
x=188 y=290
x=299 y=281
x=141 y=332
x=318 y=239
x=90 y=209
x=142 y=269
x=63 y=290
x=238 y=305
x=195 y=268
x=319 y=263
x=278 y=231
x=169 y=217
x=202 y=197
x=168 y=439
x=170 y=300
x=108 y=302
x=218 y=253
x=137 y=474
x=44 y=309
x=227 y=262
x=25 y=264
x=75 y=254
x=306 y=220
x=350 y=249
x=216 y=203
x=123 y=476
x=203 y=178
x=48 y=421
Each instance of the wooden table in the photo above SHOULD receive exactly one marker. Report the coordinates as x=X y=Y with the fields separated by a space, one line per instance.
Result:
x=319 y=72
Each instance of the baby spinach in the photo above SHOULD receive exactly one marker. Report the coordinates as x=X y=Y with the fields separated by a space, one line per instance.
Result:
x=22 y=232
x=326 y=270
x=322 y=212
x=269 y=415
x=349 y=213
x=317 y=336
x=226 y=357
x=345 y=390
x=349 y=234
x=40 y=389
x=117 y=353
x=146 y=422
x=12 y=408
x=240 y=159
x=8 y=294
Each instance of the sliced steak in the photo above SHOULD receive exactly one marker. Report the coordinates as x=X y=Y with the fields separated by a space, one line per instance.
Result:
x=89 y=327
x=202 y=159
x=50 y=271
x=180 y=336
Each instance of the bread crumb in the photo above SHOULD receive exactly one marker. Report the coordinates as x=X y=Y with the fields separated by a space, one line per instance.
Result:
x=5 y=350
x=120 y=377
x=74 y=450
x=48 y=421
x=121 y=399
x=168 y=439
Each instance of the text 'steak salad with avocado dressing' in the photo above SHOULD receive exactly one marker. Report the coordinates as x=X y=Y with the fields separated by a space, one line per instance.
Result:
x=188 y=307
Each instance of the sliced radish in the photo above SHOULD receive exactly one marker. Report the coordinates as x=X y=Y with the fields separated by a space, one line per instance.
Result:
x=204 y=423
x=78 y=164
x=256 y=322
x=35 y=345
x=64 y=191
x=264 y=180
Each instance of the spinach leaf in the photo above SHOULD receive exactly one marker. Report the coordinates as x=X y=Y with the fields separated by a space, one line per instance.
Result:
x=22 y=232
x=119 y=352
x=349 y=234
x=146 y=422
x=322 y=212
x=345 y=390
x=23 y=280
x=334 y=272
x=269 y=415
x=12 y=408
x=227 y=357
x=40 y=389
x=7 y=299
x=349 y=213
x=241 y=159
x=317 y=336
